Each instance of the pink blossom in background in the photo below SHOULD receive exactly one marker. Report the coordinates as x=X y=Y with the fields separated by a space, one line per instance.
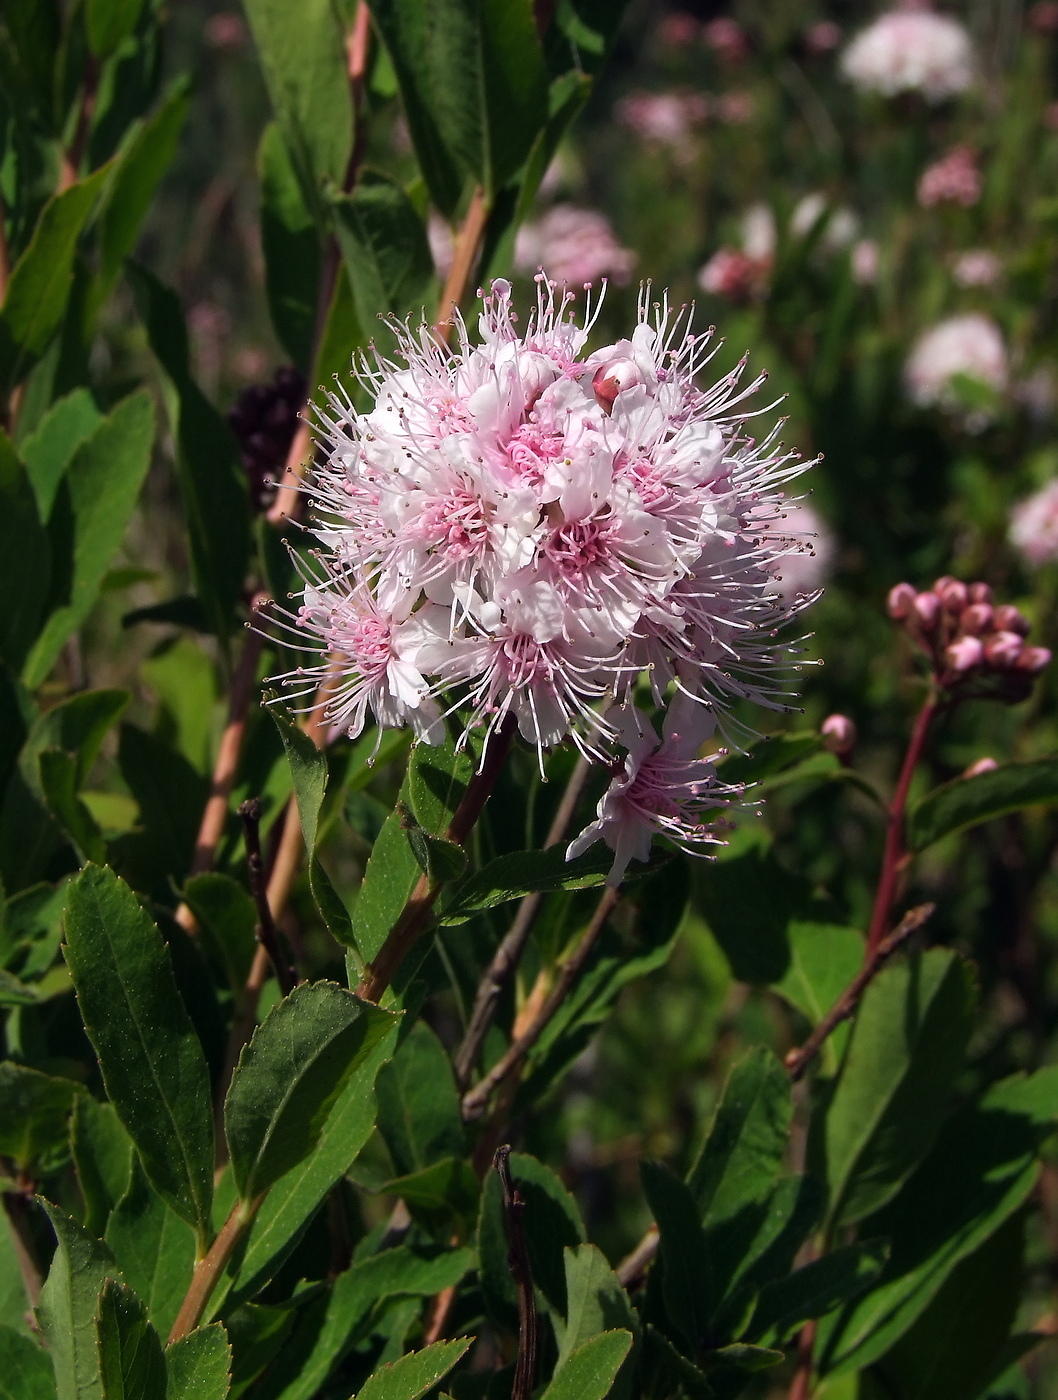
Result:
x=977 y=268
x=1043 y=17
x=226 y=30
x=839 y=224
x=665 y=118
x=804 y=564
x=734 y=108
x=822 y=37
x=732 y=274
x=1050 y=116
x=442 y=244
x=679 y=29
x=1037 y=393
x=759 y=236
x=573 y=246
x=1034 y=526
x=727 y=39
x=864 y=260
x=911 y=50
x=955 y=179
x=970 y=344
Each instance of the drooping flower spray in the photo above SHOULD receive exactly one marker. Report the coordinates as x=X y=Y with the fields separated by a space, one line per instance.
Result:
x=521 y=532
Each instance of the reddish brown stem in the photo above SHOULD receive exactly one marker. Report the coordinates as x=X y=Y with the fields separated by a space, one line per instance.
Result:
x=210 y=1267
x=801 y=1385
x=893 y=858
x=70 y=164
x=464 y=260
x=16 y=1209
x=266 y=932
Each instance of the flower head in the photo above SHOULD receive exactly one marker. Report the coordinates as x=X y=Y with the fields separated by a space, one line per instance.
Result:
x=970 y=345
x=572 y=245
x=911 y=51
x=1034 y=526
x=955 y=179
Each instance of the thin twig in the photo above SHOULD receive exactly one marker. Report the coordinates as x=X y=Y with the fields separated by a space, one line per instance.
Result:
x=402 y=936
x=210 y=1267
x=633 y=1266
x=521 y=1272
x=475 y=1102
x=893 y=859
x=801 y=1385
x=797 y=1061
x=464 y=260
x=266 y=933
x=16 y=1209
x=436 y=1320
x=70 y=163
x=507 y=956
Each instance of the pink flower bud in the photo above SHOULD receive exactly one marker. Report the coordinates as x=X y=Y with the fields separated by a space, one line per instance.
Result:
x=610 y=379
x=964 y=654
x=976 y=619
x=940 y=584
x=839 y=734
x=900 y=602
x=954 y=597
x=980 y=593
x=927 y=608
x=1002 y=649
x=983 y=765
x=1032 y=660
x=1009 y=619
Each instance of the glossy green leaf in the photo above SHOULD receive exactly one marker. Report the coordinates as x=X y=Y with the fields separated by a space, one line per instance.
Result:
x=413 y=1375
x=688 y=1286
x=290 y=242
x=67 y=1308
x=96 y=500
x=512 y=876
x=25 y=558
x=199 y=1365
x=906 y=1048
x=41 y=279
x=108 y=22
x=966 y=802
x=154 y=1249
x=815 y=1289
x=295 y=1198
x=418 y=1105
x=389 y=878
x=589 y=1373
x=344 y=1316
x=596 y=1301
x=302 y=53
x=131 y=1360
x=26 y=1371
x=34 y=1114
x=383 y=241
x=289 y=1077
x=102 y=1154
x=213 y=489
x=50 y=448
x=152 y=1063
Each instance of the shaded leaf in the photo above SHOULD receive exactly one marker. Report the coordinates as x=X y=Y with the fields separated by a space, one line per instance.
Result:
x=26 y=1371
x=418 y=1105
x=965 y=802
x=34 y=1114
x=154 y=1249
x=589 y=1373
x=199 y=1365
x=67 y=1308
x=50 y=448
x=291 y=246
x=131 y=1360
x=824 y=958
x=520 y=873
x=383 y=242
x=815 y=1289
x=687 y=1281
x=151 y=1060
x=25 y=559
x=102 y=1154
x=413 y=1375
x=596 y=1301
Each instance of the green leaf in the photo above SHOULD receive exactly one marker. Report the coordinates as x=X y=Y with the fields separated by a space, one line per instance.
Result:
x=76 y=726
x=102 y=1154
x=131 y=1360
x=520 y=873
x=108 y=22
x=442 y=1197
x=145 y=159
x=226 y=919
x=966 y=802
x=296 y=1197
x=383 y=242
x=98 y=494
x=342 y=337
x=25 y=559
x=67 y=1307
x=302 y=53
x=589 y=1373
x=34 y=1114
x=211 y=483
x=289 y=1077
x=199 y=1365
x=170 y=795
x=815 y=1289
x=418 y=1104
x=596 y=1301
x=413 y=1375
x=824 y=958
x=152 y=1063
x=58 y=784
x=905 y=1050
x=154 y=1249
x=41 y=279
x=25 y=1368
x=688 y=1285
x=49 y=449
x=345 y=1314
x=774 y=754
x=291 y=246
x=979 y=1172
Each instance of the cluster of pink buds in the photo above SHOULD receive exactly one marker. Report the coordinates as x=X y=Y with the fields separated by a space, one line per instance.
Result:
x=969 y=639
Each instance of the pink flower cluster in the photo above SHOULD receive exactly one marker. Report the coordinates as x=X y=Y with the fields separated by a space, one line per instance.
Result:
x=911 y=50
x=520 y=528
x=573 y=246
x=955 y=179
x=663 y=118
x=970 y=345
x=1034 y=526
x=968 y=639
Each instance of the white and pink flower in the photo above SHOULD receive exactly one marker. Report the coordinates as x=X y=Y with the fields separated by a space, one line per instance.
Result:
x=911 y=50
